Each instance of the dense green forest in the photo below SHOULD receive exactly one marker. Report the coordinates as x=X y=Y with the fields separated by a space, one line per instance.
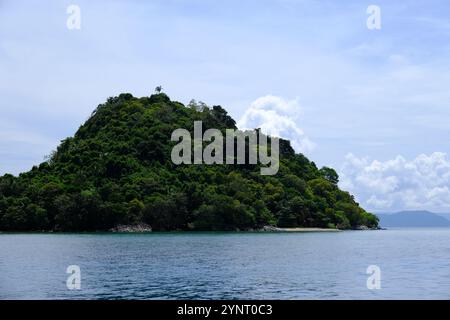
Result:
x=117 y=170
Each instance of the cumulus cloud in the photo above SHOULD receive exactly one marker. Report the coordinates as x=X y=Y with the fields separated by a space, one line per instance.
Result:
x=278 y=117
x=397 y=184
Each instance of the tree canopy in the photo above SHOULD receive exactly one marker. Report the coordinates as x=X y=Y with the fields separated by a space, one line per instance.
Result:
x=117 y=169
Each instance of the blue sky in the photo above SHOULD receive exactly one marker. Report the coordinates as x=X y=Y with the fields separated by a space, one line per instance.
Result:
x=375 y=104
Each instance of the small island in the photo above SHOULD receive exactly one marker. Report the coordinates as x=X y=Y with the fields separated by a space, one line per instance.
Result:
x=116 y=173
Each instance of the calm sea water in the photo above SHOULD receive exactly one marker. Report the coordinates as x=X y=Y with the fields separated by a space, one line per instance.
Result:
x=414 y=263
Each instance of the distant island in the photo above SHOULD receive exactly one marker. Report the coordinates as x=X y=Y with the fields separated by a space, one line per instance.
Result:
x=116 y=171
x=413 y=219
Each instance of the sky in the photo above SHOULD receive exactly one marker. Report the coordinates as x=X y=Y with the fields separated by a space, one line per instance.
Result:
x=372 y=103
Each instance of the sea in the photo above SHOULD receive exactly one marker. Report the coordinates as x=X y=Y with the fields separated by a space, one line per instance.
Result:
x=374 y=264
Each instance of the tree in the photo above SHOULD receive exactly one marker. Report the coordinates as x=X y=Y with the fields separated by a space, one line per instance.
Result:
x=166 y=212
x=199 y=106
x=135 y=211
x=329 y=174
x=221 y=212
x=158 y=89
x=221 y=115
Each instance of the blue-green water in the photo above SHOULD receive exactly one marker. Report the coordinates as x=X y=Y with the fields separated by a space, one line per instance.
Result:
x=414 y=264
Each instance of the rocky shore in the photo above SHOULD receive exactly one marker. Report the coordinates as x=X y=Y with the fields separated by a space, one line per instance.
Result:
x=142 y=227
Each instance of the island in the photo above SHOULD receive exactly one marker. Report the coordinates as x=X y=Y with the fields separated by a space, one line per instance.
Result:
x=116 y=172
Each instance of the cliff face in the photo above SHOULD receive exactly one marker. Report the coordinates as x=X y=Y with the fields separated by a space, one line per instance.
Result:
x=117 y=170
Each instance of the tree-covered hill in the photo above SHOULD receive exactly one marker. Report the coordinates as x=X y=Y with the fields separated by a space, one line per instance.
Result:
x=117 y=170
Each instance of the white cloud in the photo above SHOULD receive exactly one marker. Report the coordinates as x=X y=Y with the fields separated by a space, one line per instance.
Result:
x=278 y=117
x=396 y=184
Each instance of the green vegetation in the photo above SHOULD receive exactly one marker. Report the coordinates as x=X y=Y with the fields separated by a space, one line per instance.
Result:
x=117 y=170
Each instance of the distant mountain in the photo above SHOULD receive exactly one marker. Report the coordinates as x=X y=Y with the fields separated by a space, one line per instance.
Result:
x=445 y=215
x=413 y=219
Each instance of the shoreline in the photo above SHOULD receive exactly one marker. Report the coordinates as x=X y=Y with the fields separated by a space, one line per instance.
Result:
x=307 y=230
x=109 y=232
x=146 y=229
